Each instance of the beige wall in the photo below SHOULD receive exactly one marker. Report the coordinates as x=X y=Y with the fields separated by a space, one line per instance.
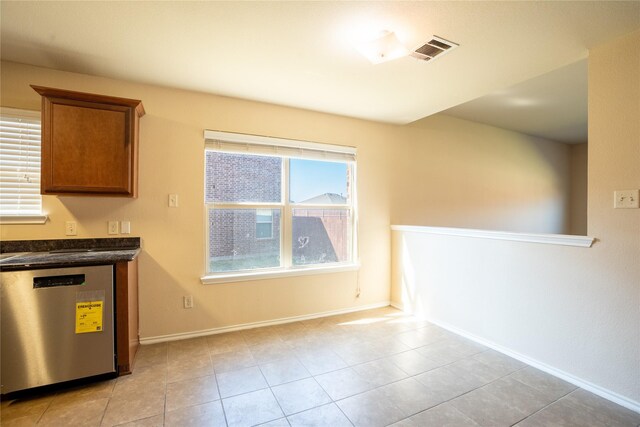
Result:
x=471 y=175
x=578 y=191
x=441 y=171
x=171 y=161
x=574 y=310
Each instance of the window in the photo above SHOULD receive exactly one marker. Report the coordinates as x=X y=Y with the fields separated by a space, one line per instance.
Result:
x=277 y=206
x=20 y=199
x=264 y=224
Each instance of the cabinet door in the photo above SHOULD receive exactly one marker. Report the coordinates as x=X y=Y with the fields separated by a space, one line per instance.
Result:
x=88 y=148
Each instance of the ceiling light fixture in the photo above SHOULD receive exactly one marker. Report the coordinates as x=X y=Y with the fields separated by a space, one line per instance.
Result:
x=384 y=47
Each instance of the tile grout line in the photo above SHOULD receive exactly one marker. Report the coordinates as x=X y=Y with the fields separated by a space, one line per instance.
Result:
x=274 y=397
x=166 y=385
x=443 y=402
x=284 y=415
x=215 y=376
x=345 y=415
x=544 y=407
x=482 y=386
x=107 y=405
x=47 y=408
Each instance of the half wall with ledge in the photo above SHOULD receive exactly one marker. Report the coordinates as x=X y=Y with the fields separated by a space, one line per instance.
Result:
x=543 y=299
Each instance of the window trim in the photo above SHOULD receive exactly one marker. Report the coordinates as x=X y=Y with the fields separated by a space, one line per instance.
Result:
x=263 y=274
x=21 y=217
x=285 y=149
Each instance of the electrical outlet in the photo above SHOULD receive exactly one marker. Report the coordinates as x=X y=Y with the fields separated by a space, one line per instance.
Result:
x=125 y=227
x=626 y=199
x=113 y=227
x=187 y=301
x=173 y=200
x=70 y=228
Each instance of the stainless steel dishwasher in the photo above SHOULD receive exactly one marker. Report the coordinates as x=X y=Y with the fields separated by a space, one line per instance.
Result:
x=57 y=325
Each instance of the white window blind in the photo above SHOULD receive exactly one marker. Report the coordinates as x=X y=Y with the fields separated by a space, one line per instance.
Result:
x=20 y=163
x=242 y=143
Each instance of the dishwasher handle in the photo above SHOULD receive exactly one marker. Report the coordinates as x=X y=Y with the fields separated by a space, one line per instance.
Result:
x=56 y=281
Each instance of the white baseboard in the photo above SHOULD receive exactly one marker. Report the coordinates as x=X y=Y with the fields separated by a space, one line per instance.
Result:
x=213 y=331
x=397 y=305
x=593 y=388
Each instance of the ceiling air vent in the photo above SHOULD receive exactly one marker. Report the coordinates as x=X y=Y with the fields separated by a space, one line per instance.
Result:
x=433 y=48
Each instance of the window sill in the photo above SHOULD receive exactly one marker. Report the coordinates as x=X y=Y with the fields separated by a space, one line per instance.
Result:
x=303 y=271
x=23 y=219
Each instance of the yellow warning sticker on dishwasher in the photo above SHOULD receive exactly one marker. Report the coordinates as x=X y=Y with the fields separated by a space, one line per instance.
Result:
x=88 y=316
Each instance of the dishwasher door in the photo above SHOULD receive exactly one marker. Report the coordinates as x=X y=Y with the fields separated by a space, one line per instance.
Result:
x=43 y=338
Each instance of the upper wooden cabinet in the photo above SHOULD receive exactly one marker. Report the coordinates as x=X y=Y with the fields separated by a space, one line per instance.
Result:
x=89 y=144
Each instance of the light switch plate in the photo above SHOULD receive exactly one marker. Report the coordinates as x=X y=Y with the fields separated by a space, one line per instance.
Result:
x=70 y=228
x=626 y=199
x=173 y=200
x=113 y=227
x=125 y=227
x=187 y=301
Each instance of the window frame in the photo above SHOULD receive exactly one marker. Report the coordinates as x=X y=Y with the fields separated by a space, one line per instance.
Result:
x=257 y=145
x=22 y=217
x=270 y=236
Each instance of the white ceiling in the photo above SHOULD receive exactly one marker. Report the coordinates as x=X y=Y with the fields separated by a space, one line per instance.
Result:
x=552 y=106
x=298 y=53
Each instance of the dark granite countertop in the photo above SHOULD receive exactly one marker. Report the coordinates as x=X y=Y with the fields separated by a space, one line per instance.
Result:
x=31 y=254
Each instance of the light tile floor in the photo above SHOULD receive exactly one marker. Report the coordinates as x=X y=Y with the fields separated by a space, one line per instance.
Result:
x=371 y=368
